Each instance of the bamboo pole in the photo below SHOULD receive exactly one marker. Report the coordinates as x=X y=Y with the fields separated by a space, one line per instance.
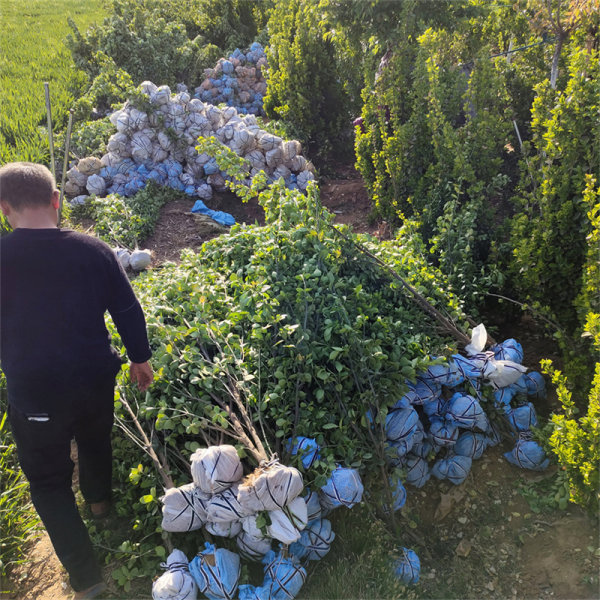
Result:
x=65 y=165
x=49 y=125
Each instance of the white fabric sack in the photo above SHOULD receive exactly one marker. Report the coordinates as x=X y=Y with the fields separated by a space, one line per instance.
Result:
x=161 y=96
x=78 y=200
x=216 y=468
x=195 y=105
x=111 y=160
x=249 y=526
x=123 y=121
x=72 y=189
x=213 y=114
x=148 y=88
x=224 y=507
x=478 y=340
x=217 y=181
x=177 y=583
x=123 y=257
x=287 y=524
x=184 y=508
x=140 y=260
x=164 y=140
x=274 y=157
x=230 y=529
x=303 y=178
x=502 y=373
x=77 y=177
x=182 y=98
x=298 y=164
x=96 y=185
x=141 y=147
x=137 y=119
x=270 y=488
x=119 y=144
x=204 y=191
x=229 y=112
x=281 y=171
x=267 y=141
x=290 y=150
x=114 y=116
x=150 y=132
x=158 y=154
x=256 y=158
x=89 y=166
x=251 y=547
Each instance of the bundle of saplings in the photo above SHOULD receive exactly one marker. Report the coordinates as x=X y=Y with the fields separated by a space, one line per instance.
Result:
x=274 y=334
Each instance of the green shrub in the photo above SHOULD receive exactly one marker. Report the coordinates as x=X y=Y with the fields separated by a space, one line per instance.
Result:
x=303 y=87
x=111 y=86
x=123 y=221
x=166 y=42
x=549 y=233
x=432 y=149
x=576 y=440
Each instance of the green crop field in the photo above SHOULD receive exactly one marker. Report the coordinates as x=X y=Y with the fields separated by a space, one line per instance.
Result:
x=32 y=51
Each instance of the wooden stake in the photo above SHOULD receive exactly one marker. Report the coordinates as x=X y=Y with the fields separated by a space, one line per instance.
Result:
x=49 y=124
x=65 y=165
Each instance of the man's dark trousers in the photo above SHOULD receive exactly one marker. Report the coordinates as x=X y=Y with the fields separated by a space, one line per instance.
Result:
x=44 y=451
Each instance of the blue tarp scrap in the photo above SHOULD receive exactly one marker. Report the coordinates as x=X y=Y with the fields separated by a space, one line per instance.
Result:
x=219 y=216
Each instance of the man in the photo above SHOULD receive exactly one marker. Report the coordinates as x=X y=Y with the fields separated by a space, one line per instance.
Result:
x=55 y=287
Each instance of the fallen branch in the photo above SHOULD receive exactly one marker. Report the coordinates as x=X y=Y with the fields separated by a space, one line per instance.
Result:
x=421 y=301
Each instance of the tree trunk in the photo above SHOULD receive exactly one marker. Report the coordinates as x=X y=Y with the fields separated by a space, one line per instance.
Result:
x=557 y=50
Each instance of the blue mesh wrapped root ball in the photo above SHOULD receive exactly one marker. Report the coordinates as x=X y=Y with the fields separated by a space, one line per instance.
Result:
x=315 y=541
x=398 y=496
x=536 y=386
x=250 y=592
x=343 y=488
x=307 y=448
x=443 y=433
x=417 y=471
x=522 y=418
x=408 y=567
x=454 y=468
x=465 y=411
x=527 y=454
x=471 y=444
x=284 y=577
x=509 y=350
x=216 y=572
x=401 y=424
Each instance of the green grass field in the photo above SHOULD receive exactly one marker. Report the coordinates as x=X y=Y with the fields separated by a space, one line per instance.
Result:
x=32 y=51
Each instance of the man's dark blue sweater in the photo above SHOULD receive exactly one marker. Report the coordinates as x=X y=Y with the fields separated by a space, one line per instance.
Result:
x=55 y=288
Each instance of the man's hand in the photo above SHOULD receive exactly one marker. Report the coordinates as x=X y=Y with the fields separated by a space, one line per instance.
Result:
x=141 y=373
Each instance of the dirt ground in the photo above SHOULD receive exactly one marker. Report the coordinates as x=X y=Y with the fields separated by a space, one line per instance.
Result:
x=490 y=542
